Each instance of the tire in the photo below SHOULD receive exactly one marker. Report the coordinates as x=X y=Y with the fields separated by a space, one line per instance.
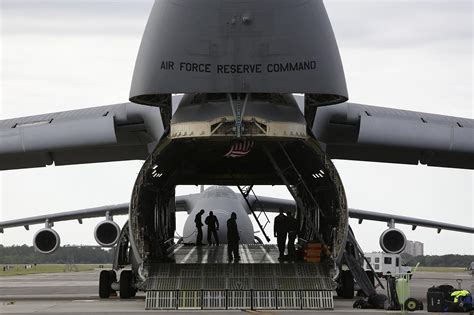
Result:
x=411 y=304
x=113 y=278
x=104 y=284
x=126 y=284
x=347 y=284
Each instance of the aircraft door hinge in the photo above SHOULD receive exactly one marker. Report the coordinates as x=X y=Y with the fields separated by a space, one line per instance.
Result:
x=238 y=110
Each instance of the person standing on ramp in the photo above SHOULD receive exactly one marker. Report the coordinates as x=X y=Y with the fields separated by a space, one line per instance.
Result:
x=233 y=238
x=212 y=228
x=280 y=231
x=198 y=221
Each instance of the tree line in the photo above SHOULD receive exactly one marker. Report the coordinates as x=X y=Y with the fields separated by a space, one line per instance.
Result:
x=439 y=261
x=64 y=255
x=70 y=254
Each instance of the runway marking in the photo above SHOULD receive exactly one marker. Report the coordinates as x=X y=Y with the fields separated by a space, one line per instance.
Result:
x=249 y=255
x=243 y=258
x=267 y=255
x=224 y=254
x=189 y=255
x=204 y=257
x=176 y=249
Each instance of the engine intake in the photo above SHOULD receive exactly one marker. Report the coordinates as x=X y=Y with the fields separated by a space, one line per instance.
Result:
x=46 y=241
x=393 y=241
x=107 y=233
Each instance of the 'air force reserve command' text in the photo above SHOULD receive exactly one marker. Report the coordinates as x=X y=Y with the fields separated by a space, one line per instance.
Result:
x=238 y=68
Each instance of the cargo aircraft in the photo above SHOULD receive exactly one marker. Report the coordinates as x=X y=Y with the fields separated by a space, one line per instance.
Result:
x=249 y=93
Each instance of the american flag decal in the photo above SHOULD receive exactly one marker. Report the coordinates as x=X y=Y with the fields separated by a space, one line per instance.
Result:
x=239 y=149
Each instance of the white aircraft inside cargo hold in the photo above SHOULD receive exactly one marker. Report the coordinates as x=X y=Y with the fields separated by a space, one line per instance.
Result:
x=244 y=127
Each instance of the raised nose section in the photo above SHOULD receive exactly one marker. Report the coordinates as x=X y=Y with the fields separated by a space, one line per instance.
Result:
x=233 y=46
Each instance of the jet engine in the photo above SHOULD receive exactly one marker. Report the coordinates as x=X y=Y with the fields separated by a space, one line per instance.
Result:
x=46 y=241
x=106 y=233
x=393 y=241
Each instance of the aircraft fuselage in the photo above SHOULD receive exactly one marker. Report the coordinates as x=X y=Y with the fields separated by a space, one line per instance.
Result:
x=222 y=201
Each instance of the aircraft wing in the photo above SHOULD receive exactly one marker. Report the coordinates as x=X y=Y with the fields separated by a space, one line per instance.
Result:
x=386 y=217
x=271 y=204
x=369 y=133
x=100 y=134
x=119 y=209
x=274 y=204
x=183 y=203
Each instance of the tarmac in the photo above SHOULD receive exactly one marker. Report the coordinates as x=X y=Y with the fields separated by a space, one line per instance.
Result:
x=77 y=292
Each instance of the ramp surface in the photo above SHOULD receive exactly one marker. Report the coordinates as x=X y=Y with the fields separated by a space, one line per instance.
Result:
x=249 y=254
x=202 y=278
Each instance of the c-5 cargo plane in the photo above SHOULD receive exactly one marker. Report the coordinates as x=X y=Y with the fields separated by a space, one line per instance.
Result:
x=255 y=103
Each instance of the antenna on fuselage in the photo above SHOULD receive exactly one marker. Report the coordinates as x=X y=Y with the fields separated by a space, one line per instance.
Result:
x=202 y=189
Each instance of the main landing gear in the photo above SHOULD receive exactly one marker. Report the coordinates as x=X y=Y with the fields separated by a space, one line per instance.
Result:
x=106 y=279
x=127 y=289
x=108 y=284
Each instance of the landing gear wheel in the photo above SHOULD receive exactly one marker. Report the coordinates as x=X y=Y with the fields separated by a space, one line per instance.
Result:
x=126 y=290
x=347 y=282
x=411 y=304
x=105 y=280
x=113 y=278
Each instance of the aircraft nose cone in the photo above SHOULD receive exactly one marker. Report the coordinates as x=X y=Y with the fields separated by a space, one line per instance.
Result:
x=213 y=46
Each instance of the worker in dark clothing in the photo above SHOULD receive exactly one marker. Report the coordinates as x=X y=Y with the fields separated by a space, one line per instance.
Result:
x=199 y=224
x=212 y=228
x=280 y=231
x=292 y=227
x=233 y=238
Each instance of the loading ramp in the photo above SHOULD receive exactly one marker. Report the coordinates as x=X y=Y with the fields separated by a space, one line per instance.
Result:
x=258 y=281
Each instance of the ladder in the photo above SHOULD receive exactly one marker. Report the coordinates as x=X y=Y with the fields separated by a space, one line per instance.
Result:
x=353 y=261
x=288 y=169
x=255 y=207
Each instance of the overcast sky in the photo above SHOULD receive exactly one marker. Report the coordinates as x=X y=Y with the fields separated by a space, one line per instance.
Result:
x=64 y=55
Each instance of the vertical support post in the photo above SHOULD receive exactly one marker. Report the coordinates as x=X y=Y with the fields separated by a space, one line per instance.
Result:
x=276 y=298
x=177 y=298
x=251 y=299
x=301 y=299
x=202 y=299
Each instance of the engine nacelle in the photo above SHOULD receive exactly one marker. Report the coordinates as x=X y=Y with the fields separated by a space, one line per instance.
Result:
x=107 y=233
x=46 y=241
x=393 y=241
